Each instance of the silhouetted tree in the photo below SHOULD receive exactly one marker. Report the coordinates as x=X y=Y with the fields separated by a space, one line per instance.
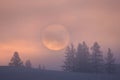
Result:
x=110 y=62
x=28 y=64
x=16 y=61
x=69 y=58
x=43 y=67
x=82 y=58
x=78 y=58
x=96 y=58
x=39 y=67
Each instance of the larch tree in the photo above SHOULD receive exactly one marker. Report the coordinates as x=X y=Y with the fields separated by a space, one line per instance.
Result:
x=96 y=58
x=16 y=61
x=79 y=58
x=69 y=59
x=82 y=58
x=39 y=67
x=28 y=64
x=110 y=62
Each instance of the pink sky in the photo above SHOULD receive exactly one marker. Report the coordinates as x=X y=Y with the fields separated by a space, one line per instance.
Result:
x=22 y=22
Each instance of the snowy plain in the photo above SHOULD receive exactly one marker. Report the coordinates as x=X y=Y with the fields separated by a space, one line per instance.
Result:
x=36 y=74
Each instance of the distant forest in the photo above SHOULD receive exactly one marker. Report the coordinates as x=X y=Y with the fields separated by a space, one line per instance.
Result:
x=84 y=60
x=79 y=60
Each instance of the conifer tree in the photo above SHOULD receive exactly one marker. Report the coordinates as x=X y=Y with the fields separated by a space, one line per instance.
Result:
x=82 y=58
x=28 y=64
x=110 y=62
x=16 y=61
x=96 y=58
x=69 y=59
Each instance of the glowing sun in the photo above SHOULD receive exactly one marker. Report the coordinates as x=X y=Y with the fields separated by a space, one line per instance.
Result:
x=55 y=37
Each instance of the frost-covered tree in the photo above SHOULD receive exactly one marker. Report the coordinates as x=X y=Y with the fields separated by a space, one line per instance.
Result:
x=16 y=61
x=110 y=62
x=28 y=64
x=69 y=59
x=82 y=58
x=96 y=58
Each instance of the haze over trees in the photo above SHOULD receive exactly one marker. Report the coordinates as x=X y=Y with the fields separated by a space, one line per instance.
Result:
x=81 y=59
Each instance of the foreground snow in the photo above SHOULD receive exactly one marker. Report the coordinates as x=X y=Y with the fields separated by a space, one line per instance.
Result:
x=34 y=74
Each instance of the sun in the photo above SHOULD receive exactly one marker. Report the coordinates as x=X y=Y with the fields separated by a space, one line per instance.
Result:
x=55 y=37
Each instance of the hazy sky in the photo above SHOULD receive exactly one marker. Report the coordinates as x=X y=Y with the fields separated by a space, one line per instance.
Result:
x=22 y=23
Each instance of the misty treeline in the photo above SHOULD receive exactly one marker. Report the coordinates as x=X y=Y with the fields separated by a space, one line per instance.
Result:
x=17 y=62
x=89 y=60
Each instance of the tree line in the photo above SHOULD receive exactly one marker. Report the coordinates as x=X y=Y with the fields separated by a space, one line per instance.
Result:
x=89 y=60
x=17 y=62
x=81 y=59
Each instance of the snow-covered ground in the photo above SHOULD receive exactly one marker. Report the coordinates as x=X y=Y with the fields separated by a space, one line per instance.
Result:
x=35 y=74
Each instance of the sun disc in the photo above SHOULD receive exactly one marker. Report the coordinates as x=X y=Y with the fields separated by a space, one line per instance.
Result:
x=55 y=37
